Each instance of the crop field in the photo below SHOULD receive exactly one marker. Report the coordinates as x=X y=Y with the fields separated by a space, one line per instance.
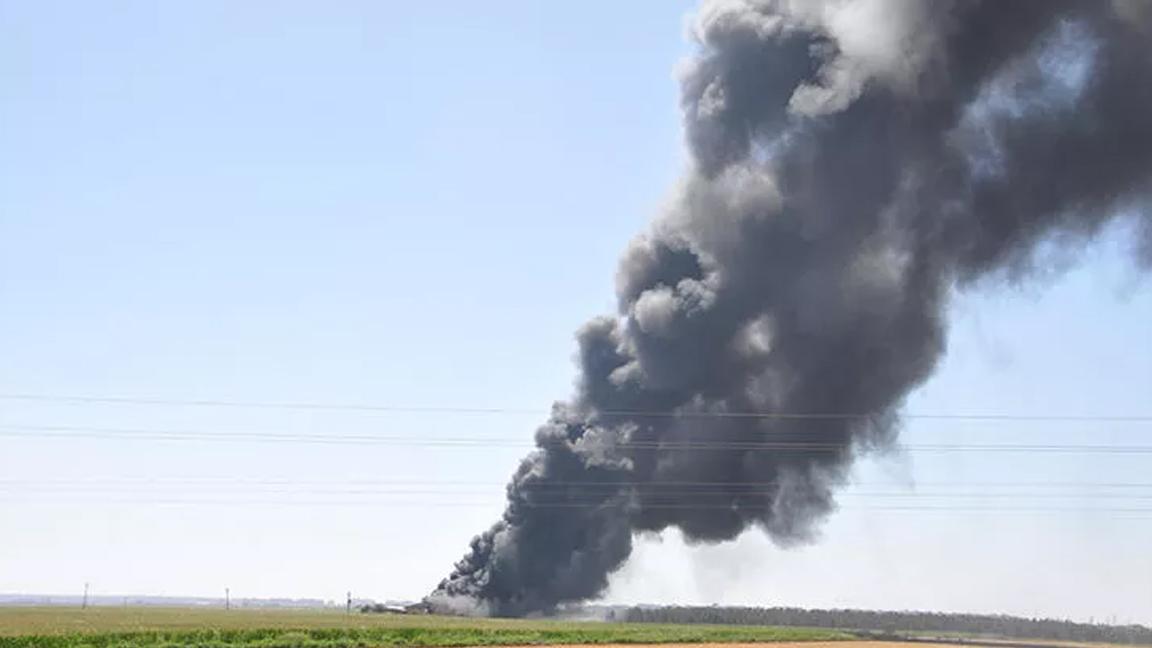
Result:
x=59 y=627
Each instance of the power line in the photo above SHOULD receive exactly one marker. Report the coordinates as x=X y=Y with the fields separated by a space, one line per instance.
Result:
x=623 y=413
x=22 y=431
x=569 y=491
x=566 y=496
x=197 y=481
x=688 y=507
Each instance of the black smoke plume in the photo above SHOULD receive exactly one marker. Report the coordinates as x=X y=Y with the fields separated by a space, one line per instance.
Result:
x=852 y=164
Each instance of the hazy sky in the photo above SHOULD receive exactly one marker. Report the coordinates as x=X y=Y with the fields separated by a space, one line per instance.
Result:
x=416 y=204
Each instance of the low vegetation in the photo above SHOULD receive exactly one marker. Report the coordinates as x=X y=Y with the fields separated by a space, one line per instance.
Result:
x=937 y=624
x=185 y=628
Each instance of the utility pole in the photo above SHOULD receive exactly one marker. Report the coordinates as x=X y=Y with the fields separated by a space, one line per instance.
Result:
x=227 y=599
x=84 y=604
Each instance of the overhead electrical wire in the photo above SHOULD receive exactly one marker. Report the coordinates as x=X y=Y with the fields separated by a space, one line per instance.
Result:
x=701 y=495
x=541 y=496
x=633 y=495
x=52 y=432
x=416 y=409
x=200 y=481
x=577 y=505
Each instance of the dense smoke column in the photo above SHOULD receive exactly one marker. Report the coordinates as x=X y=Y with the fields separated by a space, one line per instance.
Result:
x=852 y=163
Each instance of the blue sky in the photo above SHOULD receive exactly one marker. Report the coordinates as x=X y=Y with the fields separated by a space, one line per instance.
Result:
x=417 y=204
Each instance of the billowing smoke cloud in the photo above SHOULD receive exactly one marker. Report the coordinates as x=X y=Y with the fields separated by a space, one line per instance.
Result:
x=852 y=164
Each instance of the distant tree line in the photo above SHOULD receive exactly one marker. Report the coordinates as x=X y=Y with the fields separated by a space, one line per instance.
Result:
x=893 y=623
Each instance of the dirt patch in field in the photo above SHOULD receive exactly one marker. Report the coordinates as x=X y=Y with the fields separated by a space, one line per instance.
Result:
x=764 y=644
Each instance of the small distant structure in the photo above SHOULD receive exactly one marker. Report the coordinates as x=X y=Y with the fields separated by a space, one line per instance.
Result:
x=395 y=608
x=417 y=608
x=383 y=608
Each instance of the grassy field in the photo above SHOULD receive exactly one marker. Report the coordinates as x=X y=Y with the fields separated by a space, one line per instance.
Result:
x=58 y=627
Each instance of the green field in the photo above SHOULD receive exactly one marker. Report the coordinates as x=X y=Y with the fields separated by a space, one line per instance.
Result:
x=58 y=627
